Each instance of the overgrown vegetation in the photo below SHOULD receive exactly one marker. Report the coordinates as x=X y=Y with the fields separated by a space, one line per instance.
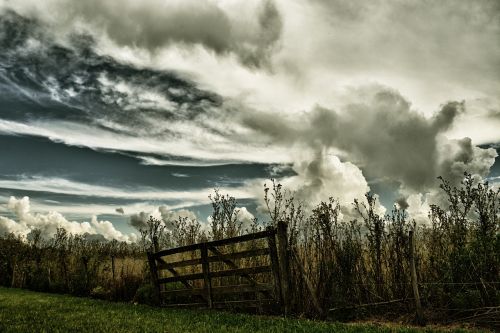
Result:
x=352 y=257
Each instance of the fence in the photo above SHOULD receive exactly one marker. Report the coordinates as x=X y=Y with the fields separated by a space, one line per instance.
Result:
x=201 y=279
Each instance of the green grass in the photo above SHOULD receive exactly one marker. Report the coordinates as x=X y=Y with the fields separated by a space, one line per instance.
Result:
x=27 y=311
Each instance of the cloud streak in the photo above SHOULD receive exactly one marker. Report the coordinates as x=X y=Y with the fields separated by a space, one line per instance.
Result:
x=64 y=186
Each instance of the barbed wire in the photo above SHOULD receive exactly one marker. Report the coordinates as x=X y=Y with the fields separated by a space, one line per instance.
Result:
x=426 y=283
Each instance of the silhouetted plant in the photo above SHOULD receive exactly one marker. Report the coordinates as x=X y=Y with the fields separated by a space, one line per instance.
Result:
x=224 y=218
x=348 y=261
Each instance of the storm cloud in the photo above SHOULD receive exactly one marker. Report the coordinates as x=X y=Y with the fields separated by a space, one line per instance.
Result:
x=380 y=132
x=150 y=104
x=153 y=24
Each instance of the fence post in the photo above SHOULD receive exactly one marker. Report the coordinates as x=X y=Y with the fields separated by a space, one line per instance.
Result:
x=284 y=265
x=420 y=320
x=154 y=277
x=205 y=266
x=85 y=262
x=156 y=244
x=273 y=253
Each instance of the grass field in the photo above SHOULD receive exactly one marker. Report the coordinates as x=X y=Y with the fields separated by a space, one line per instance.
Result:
x=27 y=311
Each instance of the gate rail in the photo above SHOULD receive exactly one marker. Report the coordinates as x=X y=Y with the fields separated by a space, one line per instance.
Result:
x=202 y=294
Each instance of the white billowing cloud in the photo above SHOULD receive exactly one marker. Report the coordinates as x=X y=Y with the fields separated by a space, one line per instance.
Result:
x=109 y=232
x=168 y=216
x=458 y=156
x=244 y=217
x=418 y=208
x=49 y=222
x=10 y=226
x=325 y=176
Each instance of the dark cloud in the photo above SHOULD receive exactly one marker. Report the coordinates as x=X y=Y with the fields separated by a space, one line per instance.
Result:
x=381 y=133
x=402 y=203
x=459 y=156
x=266 y=39
x=167 y=216
x=138 y=221
x=73 y=82
x=152 y=25
x=94 y=237
x=448 y=113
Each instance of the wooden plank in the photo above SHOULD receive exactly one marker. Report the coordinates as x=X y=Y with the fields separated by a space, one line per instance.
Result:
x=284 y=265
x=224 y=258
x=232 y=240
x=175 y=273
x=167 y=266
x=231 y=264
x=273 y=253
x=154 y=277
x=236 y=255
x=220 y=290
x=239 y=271
x=239 y=239
x=419 y=318
x=206 y=275
x=181 y=249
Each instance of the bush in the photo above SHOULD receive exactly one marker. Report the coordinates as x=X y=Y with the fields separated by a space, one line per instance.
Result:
x=145 y=294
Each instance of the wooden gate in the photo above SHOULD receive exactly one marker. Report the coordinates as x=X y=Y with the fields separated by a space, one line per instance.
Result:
x=239 y=271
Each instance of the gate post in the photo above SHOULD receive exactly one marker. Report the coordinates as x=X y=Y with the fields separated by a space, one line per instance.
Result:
x=205 y=266
x=154 y=278
x=418 y=306
x=273 y=253
x=284 y=265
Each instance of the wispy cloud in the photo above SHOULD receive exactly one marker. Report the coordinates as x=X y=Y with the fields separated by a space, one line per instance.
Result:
x=193 y=147
x=64 y=186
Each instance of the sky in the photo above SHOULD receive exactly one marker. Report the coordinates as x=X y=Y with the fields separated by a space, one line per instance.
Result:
x=111 y=111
